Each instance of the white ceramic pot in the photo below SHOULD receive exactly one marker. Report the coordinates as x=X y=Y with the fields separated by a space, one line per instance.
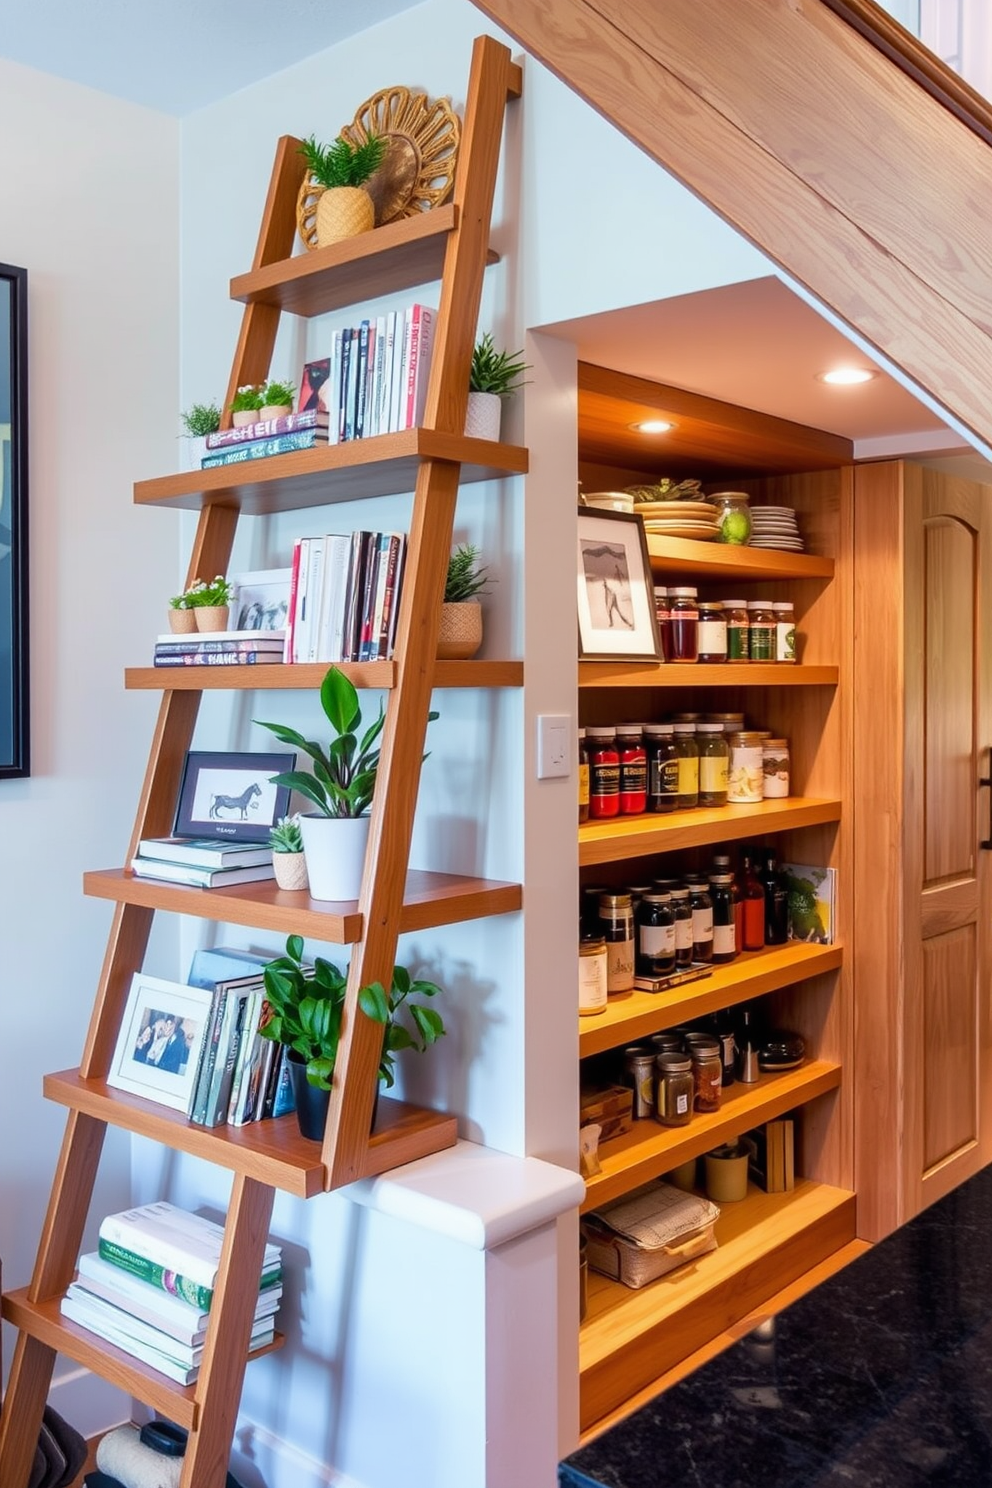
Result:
x=482 y=416
x=335 y=854
x=290 y=870
x=194 y=451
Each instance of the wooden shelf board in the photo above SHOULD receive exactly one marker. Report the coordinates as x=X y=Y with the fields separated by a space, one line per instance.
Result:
x=403 y=1133
x=649 y=1150
x=394 y=257
x=765 y=1242
x=385 y=465
x=308 y=676
x=630 y=1016
x=725 y=561
x=638 y=836
x=751 y=674
x=431 y=899
x=44 y=1321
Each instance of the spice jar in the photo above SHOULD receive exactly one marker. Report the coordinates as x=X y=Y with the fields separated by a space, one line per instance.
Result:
x=682 y=910
x=763 y=630
x=633 y=769
x=664 y=624
x=714 y=756
x=712 y=631
x=745 y=783
x=785 y=630
x=775 y=764
x=667 y=1042
x=733 y=516
x=707 y=1074
x=683 y=623
x=592 y=974
x=675 y=1089
x=724 y=925
x=583 y=777
x=655 y=926
x=721 y=864
x=604 y=773
x=616 y=921
x=638 y=1074
x=663 y=767
x=702 y=919
x=738 y=627
x=688 y=756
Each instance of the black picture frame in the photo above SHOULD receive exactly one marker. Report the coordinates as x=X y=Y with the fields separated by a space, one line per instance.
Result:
x=250 y=806
x=15 y=754
x=617 y=618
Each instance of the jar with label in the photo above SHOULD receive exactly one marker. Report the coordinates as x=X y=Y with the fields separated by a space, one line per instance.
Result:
x=688 y=756
x=633 y=769
x=714 y=758
x=701 y=905
x=675 y=1089
x=604 y=773
x=655 y=928
x=589 y=896
x=637 y=892
x=663 y=767
x=762 y=630
x=664 y=623
x=785 y=630
x=583 y=777
x=616 y=923
x=592 y=974
x=683 y=613
x=712 y=631
x=638 y=1074
x=738 y=629
x=745 y=783
x=722 y=864
x=682 y=910
x=775 y=758
x=724 y=925
x=707 y=1074
x=667 y=1042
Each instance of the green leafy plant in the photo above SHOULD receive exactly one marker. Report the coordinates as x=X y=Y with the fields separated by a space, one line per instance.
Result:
x=219 y=591
x=342 y=163
x=286 y=836
x=179 y=602
x=466 y=578
x=277 y=394
x=492 y=371
x=382 y=1006
x=665 y=489
x=247 y=398
x=200 y=419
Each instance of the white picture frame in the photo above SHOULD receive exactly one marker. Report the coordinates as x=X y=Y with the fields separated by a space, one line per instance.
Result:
x=615 y=593
x=160 y=1041
x=261 y=600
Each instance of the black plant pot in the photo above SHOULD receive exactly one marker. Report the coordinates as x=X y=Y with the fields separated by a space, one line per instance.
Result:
x=311 y=1102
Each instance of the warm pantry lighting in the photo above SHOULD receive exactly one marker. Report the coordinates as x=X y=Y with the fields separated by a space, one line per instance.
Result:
x=846 y=376
x=652 y=426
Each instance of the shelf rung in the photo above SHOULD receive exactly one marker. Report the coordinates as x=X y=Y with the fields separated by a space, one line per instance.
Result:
x=307 y=676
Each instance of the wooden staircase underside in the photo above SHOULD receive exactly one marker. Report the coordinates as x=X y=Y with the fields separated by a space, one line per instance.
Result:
x=828 y=137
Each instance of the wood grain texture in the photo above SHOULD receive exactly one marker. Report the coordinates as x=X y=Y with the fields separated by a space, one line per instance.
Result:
x=306 y=675
x=658 y=675
x=950 y=1040
x=677 y=555
x=950 y=802
x=638 y=836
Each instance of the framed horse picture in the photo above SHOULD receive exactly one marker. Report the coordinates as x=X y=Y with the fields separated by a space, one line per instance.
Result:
x=232 y=795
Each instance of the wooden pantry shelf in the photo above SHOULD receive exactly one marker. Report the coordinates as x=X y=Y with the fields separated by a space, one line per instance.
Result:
x=630 y=1016
x=764 y=1243
x=719 y=674
x=44 y=1321
x=649 y=1150
x=430 y=899
x=394 y=257
x=671 y=556
x=385 y=465
x=638 y=836
x=308 y=676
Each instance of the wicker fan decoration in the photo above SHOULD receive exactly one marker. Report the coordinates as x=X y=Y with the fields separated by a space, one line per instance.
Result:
x=418 y=171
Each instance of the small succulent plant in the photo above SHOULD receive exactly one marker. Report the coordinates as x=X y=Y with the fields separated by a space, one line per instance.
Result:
x=219 y=591
x=342 y=163
x=492 y=371
x=286 y=836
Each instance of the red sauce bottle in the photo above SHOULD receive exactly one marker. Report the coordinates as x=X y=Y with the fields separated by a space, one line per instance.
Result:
x=633 y=769
x=604 y=775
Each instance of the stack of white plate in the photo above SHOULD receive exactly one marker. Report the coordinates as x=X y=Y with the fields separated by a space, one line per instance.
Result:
x=775 y=527
x=696 y=520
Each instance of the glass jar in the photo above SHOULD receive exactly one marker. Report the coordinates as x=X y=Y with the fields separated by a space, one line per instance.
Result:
x=738 y=629
x=775 y=763
x=638 y=1074
x=663 y=767
x=583 y=777
x=682 y=910
x=589 y=897
x=633 y=769
x=785 y=630
x=763 y=630
x=604 y=773
x=688 y=756
x=707 y=1074
x=655 y=926
x=592 y=975
x=701 y=905
x=745 y=783
x=616 y=923
x=675 y=1089
x=712 y=631
x=733 y=515
x=714 y=756
x=683 y=623
x=724 y=925
x=667 y=1042
x=664 y=624
x=722 y=864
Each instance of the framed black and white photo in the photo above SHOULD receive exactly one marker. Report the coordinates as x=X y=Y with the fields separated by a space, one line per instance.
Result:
x=261 y=600
x=231 y=795
x=14 y=717
x=615 y=593
x=161 y=1040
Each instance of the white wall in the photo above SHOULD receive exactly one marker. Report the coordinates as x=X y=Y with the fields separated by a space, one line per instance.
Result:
x=89 y=208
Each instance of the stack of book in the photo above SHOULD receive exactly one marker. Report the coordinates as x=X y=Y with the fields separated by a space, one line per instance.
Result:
x=293 y=431
x=242 y=1077
x=149 y=1286
x=205 y=863
x=221 y=648
x=344 y=596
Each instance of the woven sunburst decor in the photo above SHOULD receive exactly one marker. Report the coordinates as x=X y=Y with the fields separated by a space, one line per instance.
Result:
x=418 y=171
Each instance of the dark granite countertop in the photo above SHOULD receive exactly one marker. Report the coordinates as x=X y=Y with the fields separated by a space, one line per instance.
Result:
x=880 y=1378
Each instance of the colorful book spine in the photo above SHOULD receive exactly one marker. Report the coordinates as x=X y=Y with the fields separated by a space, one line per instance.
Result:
x=260 y=642
x=219 y=658
x=172 y=1282
x=289 y=423
x=261 y=449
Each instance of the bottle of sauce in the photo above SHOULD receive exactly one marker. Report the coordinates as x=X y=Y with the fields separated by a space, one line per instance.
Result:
x=722 y=864
x=714 y=764
x=724 y=929
x=655 y=936
x=604 y=773
x=683 y=928
x=664 y=622
x=683 y=621
x=776 y=901
x=583 y=777
x=663 y=767
x=754 y=906
x=616 y=923
x=633 y=769
x=688 y=756
x=738 y=627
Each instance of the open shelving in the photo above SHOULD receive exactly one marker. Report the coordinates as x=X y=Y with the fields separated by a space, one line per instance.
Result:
x=307 y=676
x=637 y=836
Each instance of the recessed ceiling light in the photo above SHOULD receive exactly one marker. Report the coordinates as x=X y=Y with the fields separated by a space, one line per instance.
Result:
x=846 y=376
x=652 y=426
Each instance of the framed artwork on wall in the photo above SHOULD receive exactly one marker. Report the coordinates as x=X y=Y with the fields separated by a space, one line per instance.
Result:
x=615 y=594
x=14 y=716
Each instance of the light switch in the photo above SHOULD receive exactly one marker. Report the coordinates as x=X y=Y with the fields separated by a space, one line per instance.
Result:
x=554 y=745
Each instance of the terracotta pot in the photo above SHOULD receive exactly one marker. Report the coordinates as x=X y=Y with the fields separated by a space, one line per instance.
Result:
x=242 y=417
x=343 y=212
x=181 y=622
x=335 y=852
x=482 y=416
x=211 y=617
x=273 y=411
x=460 y=631
x=290 y=869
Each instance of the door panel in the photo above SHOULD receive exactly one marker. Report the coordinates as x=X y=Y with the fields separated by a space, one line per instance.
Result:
x=951 y=561
x=950 y=1045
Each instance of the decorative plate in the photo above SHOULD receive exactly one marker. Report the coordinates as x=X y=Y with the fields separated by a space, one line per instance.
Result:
x=418 y=171
x=681 y=510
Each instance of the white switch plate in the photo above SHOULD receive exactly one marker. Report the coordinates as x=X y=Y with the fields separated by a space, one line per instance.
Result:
x=554 y=745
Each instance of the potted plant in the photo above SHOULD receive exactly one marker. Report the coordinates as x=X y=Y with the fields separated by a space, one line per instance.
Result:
x=288 y=859
x=339 y=171
x=277 y=399
x=199 y=420
x=306 y=1005
x=209 y=602
x=460 y=631
x=493 y=376
x=245 y=404
x=182 y=619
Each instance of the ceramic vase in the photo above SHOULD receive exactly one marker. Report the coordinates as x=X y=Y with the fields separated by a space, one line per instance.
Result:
x=211 y=617
x=459 y=634
x=335 y=853
x=290 y=870
x=194 y=451
x=482 y=416
x=181 y=622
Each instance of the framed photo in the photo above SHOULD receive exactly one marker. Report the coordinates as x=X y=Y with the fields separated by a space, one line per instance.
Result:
x=231 y=795
x=14 y=718
x=615 y=593
x=160 y=1041
x=261 y=599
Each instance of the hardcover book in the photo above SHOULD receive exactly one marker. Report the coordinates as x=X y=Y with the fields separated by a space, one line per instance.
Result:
x=290 y=423
x=261 y=449
x=168 y=1236
x=204 y=852
x=218 y=640
x=172 y=1315
x=220 y=658
x=199 y=878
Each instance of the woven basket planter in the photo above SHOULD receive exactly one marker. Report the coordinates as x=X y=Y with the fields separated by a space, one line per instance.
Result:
x=343 y=212
x=181 y=622
x=460 y=632
x=212 y=617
